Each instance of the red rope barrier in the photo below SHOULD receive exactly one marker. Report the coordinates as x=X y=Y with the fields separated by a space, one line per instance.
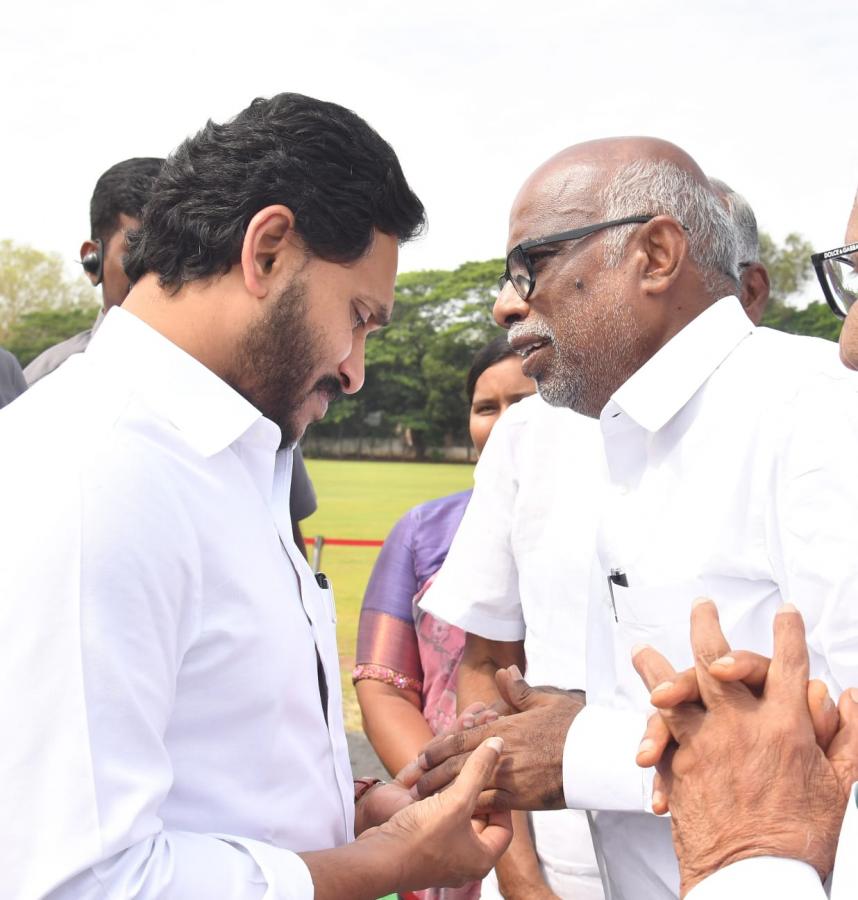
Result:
x=344 y=542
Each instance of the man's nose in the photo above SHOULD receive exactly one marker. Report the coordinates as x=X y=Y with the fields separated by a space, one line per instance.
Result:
x=509 y=308
x=351 y=369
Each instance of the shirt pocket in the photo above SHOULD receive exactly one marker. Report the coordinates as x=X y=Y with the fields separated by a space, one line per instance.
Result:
x=659 y=616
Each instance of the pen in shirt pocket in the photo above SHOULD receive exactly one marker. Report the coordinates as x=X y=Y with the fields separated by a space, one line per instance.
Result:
x=617 y=576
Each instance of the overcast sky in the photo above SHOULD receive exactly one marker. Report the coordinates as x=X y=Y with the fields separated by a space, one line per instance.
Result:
x=472 y=95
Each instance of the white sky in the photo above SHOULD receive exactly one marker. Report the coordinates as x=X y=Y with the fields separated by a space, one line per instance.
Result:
x=471 y=94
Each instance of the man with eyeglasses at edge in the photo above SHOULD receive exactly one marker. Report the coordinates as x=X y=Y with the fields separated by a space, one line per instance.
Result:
x=767 y=818
x=722 y=474
x=169 y=672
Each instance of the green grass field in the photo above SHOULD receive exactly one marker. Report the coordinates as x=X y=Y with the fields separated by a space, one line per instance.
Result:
x=364 y=500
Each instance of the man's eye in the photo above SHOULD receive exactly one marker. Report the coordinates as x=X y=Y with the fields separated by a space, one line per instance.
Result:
x=358 y=321
x=485 y=410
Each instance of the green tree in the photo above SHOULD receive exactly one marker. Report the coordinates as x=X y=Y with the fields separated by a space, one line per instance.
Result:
x=790 y=271
x=35 y=331
x=788 y=265
x=33 y=280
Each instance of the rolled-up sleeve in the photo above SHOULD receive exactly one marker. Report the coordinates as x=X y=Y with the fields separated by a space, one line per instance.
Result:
x=477 y=587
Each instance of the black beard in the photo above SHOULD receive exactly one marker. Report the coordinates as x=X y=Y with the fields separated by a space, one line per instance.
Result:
x=275 y=360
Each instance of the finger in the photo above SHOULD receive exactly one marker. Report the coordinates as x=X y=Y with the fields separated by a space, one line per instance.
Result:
x=652 y=667
x=789 y=670
x=514 y=690
x=486 y=717
x=467 y=717
x=496 y=834
x=682 y=689
x=823 y=713
x=477 y=772
x=741 y=665
x=708 y=643
x=446 y=746
x=439 y=777
x=660 y=798
x=843 y=751
x=655 y=740
x=409 y=774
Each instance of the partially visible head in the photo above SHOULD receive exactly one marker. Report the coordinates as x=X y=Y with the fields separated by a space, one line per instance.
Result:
x=284 y=225
x=604 y=304
x=494 y=382
x=849 y=334
x=754 y=277
x=116 y=208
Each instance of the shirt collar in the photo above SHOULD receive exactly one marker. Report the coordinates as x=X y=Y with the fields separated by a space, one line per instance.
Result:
x=666 y=382
x=205 y=409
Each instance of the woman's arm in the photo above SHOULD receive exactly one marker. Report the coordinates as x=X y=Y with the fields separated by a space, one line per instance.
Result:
x=393 y=722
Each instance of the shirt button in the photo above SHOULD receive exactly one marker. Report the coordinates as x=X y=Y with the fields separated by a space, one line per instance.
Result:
x=622 y=489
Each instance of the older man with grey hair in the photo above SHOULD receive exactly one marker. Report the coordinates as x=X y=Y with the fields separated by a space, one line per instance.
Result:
x=754 y=284
x=722 y=472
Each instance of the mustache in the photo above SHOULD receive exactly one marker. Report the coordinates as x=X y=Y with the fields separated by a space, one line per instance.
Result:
x=529 y=331
x=330 y=386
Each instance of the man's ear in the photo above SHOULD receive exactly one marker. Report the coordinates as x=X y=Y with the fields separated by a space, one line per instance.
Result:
x=90 y=251
x=755 y=290
x=271 y=248
x=662 y=245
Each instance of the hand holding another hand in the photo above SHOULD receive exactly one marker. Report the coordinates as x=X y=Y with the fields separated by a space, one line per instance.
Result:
x=438 y=841
x=744 y=774
x=530 y=773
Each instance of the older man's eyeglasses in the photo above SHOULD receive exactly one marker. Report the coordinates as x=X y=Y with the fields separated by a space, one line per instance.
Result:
x=519 y=266
x=835 y=270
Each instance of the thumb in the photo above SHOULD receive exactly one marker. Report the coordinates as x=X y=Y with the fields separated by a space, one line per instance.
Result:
x=476 y=773
x=843 y=751
x=514 y=690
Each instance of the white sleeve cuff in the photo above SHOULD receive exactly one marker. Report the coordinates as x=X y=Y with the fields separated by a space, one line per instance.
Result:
x=284 y=873
x=761 y=876
x=599 y=769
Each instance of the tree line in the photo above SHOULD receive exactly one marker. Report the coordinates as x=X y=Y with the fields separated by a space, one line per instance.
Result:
x=415 y=368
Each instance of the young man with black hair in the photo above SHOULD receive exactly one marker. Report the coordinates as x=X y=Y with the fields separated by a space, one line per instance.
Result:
x=115 y=209
x=173 y=673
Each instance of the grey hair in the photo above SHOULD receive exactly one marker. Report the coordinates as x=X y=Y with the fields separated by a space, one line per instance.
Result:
x=647 y=187
x=744 y=221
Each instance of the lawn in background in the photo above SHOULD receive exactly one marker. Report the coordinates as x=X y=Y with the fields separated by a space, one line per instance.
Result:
x=364 y=500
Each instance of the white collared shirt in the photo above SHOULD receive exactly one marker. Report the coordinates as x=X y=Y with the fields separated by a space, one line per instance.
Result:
x=727 y=471
x=164 y=735
x=519 y=568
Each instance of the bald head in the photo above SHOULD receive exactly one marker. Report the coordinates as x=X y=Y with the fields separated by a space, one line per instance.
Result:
x=570 y=181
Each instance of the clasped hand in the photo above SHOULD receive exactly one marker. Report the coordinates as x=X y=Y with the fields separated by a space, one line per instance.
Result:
x=752 y=759
x=530 y=772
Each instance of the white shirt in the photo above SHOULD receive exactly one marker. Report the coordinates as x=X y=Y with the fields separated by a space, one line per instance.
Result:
x=164 y=735
x=788 y=879
x=727 y=470
x=519 y=569
x=731 y=475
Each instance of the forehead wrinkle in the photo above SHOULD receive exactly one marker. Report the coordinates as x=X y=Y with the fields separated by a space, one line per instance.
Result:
x=552 y=201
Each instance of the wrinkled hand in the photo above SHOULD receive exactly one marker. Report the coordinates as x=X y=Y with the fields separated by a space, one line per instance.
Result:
x=748 y=777
x=472 y=716
x=530 y=774
x=437 y=839
x=673 y=689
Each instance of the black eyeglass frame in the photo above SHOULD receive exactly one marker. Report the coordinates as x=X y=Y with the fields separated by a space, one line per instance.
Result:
x=818 y=260
x=572 y=235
